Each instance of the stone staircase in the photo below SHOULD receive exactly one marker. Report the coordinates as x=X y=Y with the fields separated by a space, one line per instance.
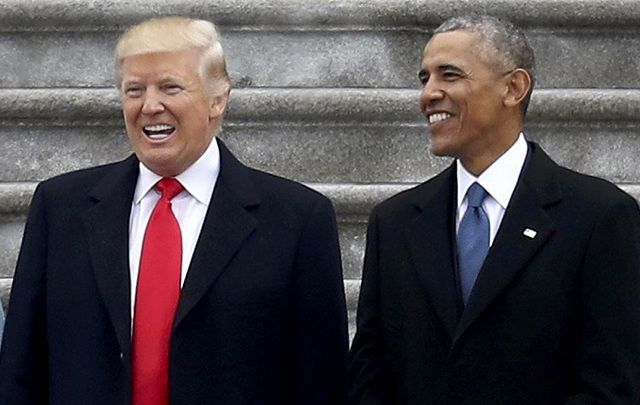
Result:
x=325 y=93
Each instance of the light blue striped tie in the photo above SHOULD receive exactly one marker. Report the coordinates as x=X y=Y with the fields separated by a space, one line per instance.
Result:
x=473 y=239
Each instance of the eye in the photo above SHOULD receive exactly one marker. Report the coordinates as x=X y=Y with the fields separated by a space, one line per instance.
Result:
x=451 y=75
x=423 y=77
x=133 y=91
x=172 y=88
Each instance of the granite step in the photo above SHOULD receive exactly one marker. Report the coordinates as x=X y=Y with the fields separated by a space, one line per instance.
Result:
x=316 y=135
x=294 y=43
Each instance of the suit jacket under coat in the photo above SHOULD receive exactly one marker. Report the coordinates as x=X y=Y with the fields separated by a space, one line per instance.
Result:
x=554 y=318
x=261 y=317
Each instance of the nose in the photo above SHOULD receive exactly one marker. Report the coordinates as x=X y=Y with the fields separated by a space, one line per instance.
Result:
x=431 y=93
x=153 y=103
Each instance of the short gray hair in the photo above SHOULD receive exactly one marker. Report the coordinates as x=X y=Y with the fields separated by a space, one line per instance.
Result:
x=502 y=39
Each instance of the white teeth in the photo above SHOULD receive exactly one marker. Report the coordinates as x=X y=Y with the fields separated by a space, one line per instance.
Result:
x=157 y=136
x=158 y=131
x=158 y=127
x=433 y=118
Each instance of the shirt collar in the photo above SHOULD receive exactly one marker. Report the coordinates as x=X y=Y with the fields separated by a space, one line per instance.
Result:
x=499 y=179
x=199 y=179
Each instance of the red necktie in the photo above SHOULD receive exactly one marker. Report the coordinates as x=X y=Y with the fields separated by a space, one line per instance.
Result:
x=157 y=296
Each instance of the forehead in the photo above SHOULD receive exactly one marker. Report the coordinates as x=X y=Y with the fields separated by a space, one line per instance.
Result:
x=182 y=63
x=458 y=48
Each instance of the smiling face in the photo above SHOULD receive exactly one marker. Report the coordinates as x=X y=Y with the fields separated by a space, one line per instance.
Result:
x=170 y=119
x=463 y=100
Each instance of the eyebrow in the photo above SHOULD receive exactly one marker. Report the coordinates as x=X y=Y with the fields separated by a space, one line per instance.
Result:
x=441 y=68
x=444 y=67
x=129 y=82
x=168 y=78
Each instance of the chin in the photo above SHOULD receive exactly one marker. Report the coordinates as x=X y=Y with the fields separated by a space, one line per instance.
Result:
x=439 y=150
x=161 y=167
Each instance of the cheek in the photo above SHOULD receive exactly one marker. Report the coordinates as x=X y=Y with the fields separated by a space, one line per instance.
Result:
x=129 y=112
x=421 y=100
x=465 y=115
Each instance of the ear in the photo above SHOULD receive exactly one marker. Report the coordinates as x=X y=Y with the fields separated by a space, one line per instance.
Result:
x=218 y=105
x=518 y=85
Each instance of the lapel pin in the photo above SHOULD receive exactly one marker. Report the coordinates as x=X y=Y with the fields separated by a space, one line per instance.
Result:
x=530 y=233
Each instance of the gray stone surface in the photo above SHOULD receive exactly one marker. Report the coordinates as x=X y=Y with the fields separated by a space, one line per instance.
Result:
x=39 y=152
x=316 y=135
x=294 y=43
x=606 y=151
x=15 y=198
x=85 y=107
x=314 y=105
x=352 y=244
x=337 y=154
x=57 y=59
x=5 y=288
x=10 y=238
x=89 y=14
x=352 y=289
x=316 y=58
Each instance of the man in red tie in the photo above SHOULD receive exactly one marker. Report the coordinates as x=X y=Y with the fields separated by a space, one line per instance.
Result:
x=179 y=275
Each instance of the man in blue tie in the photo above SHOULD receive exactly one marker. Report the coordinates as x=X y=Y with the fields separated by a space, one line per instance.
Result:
x=506 y=279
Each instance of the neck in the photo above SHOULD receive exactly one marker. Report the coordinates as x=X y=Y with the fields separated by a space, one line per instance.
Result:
x=477 y=164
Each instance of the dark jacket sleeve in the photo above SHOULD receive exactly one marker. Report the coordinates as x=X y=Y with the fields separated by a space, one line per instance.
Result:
x=608 y=345
x=321 y=337
x=370 y=382
x=23 y=359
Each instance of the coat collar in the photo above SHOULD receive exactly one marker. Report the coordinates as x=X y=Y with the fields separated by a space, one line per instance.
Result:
x=107 y=231
x=431 y=238
x=525 y=229
x=227 y=224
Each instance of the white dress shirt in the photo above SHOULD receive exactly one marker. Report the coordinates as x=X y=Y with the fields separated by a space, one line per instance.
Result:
x=189 y=207
x=499 y=180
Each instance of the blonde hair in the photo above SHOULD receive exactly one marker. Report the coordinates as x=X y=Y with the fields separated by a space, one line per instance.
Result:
x=169 y=34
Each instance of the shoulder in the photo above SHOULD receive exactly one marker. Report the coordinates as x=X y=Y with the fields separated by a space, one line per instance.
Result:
x=248 y=183
x=580 y=193
x=273 y=187
x=593 y=193
x=79 y=182
x=290 y=206
x=414 y=198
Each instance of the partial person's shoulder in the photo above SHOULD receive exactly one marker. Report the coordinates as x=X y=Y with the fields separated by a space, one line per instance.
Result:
x=583 y=195
x=282 y=189
x=270 y=187
x=417 y=196
x=78 y=181
x=590 y=191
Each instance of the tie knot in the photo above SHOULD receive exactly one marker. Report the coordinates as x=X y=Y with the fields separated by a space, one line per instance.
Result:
x=475 y=195
x=169 y=188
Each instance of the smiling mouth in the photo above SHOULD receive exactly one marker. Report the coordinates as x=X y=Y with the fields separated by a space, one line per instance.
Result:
x=158 y=132
x=437 y=117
